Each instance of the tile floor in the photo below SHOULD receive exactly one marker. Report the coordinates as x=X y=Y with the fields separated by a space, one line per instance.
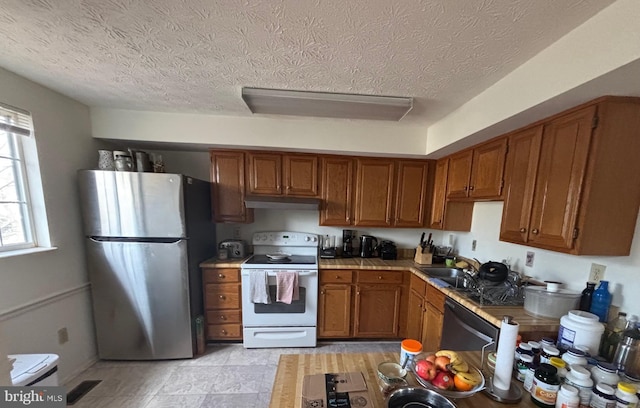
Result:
x=227 y=375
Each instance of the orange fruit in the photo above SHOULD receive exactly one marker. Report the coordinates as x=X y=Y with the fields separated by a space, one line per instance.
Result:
x=461 y=384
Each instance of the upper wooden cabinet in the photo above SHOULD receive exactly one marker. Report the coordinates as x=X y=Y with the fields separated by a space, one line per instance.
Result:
x=477 y=173
x=584 y=201
x=282 y=174
x=227 y=190
x=336 y=191
x=410 y=207
x=374 y=192
x=439 y=194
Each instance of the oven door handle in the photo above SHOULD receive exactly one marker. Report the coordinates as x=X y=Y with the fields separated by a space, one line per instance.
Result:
x=273 y=274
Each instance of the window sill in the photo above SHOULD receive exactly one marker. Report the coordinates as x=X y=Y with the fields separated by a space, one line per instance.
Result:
x=28 y=251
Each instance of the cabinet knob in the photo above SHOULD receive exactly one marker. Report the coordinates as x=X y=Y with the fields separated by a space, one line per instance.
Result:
x=470 y=188
x=465 y=188
x=221 y=296
x=223 y=331
x=523 y=230
x=322 y=292
x=337 y=276
x=220 y=276
x=379 y=277
x=534 y=231
x=222 y=317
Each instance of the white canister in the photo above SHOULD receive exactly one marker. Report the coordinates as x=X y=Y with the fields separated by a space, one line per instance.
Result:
x=575 y=357
x=626 y=396
x=409 y=348
x=579 y=328
x=580 y=378
x=567 y=397
x=605 y=373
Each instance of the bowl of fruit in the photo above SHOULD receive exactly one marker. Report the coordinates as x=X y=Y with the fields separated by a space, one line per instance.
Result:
x=446 y=372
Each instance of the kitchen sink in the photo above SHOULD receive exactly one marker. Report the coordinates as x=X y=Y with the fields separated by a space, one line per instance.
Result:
x=453 y=276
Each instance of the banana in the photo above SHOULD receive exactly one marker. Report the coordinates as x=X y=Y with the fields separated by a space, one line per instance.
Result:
x=470 y=377
x=462 y=264
x=453 y=356
x=460 y=367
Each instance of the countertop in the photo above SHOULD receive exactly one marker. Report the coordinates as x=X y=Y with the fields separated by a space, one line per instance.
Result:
x=287 y=387
x=492 y=314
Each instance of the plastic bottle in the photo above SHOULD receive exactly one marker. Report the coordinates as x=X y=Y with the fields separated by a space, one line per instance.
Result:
x=561 y=366
x=567 y=397
x=545 y=387
x=626 y=396
x=580 y=378
x=612 y=336
x=587 y=295
x=603 y=396
x=601 y=301
x=575 y=357
x=605 y=373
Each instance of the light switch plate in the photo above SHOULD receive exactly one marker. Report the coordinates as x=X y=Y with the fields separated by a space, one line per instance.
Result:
x=597 y=272
x=530 y=256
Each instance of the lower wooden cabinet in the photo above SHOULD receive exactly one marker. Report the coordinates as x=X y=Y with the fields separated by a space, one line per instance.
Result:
x=377 y=311
x=334 y=317
x=222 y=303
x=415 y=307
x=432 y=319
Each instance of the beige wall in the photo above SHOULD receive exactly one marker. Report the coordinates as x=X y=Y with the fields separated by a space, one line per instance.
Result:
x=43 y=292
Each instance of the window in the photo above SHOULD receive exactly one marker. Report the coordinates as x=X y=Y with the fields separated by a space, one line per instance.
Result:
x=16 y=220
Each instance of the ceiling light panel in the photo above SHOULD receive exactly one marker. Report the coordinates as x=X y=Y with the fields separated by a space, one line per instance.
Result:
x=324 y=104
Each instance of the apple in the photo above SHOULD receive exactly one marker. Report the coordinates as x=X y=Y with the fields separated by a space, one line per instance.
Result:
x=443 y=380
x=442 y=362
x=426 y=369
x=432 y=358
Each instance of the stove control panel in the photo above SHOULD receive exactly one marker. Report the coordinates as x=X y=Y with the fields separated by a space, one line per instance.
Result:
x=285 y=238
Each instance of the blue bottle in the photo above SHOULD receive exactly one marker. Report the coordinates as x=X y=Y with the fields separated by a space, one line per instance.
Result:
x=601 y=301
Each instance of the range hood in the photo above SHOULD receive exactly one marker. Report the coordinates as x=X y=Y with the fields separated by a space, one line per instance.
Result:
x=282 y=203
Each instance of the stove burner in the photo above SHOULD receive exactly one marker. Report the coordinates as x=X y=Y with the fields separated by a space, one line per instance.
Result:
x=279 y=261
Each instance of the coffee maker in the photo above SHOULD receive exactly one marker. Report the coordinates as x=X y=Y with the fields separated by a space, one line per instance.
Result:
x=347 y=243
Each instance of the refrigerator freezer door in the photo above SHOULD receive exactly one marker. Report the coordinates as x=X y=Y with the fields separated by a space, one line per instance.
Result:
x=123 y=204
x=140 y=299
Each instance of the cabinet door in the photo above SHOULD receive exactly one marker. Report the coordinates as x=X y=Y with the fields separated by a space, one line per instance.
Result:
x=374 y=192
x=377 y=311
x=561 y=170
x=487 y=170
x=301 y=175
x=411 y=195
x=337 y=181
x=459 y=174
x=432 y=328
x=265 y=173
x=439 y=194
x=334 y=316
x=414 y=315
x=520 y=179
x=227 y=190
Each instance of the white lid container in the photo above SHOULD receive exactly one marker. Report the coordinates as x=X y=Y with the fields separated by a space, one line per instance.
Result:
x=579 y=328
x=34 y=369
x=540 y=302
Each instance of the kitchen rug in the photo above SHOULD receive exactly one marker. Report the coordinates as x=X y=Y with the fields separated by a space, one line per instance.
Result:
x=81 y=390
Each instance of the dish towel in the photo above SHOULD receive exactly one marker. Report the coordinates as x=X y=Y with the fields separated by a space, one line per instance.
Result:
x=259 y=287
x=287 y=286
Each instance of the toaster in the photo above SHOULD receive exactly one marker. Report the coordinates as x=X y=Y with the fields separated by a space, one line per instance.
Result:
x=235 y=247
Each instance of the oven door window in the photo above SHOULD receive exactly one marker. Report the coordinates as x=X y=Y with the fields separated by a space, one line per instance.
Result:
x=296 y=306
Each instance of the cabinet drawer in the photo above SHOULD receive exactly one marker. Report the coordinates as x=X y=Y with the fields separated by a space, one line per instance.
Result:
x=335 y=276
x=379 y=276
x=221 y=275
x=224 y=316
x=418 y=284
x=435 y=297
x=224 y=331
x=222 y=296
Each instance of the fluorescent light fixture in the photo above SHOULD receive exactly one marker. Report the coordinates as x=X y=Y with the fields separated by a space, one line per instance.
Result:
x=325 y=104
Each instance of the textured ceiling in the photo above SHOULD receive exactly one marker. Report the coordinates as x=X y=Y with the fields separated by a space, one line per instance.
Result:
x=195 y=55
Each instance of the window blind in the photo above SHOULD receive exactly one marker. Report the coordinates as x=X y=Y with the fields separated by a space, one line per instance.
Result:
x=15 y=120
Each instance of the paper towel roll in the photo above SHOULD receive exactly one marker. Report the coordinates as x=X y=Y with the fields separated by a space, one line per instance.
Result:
x=505 y=354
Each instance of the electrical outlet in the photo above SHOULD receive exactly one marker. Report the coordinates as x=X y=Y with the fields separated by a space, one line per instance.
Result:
x=473 y=245
x=597 y=272
x=236 y=233
x=452 y=239
x=530 y=257
x=63 y=335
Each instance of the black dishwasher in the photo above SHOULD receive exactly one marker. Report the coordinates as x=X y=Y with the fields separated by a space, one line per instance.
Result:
x=463 y=330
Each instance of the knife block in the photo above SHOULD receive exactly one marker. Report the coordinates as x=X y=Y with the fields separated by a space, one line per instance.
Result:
x=422 y=259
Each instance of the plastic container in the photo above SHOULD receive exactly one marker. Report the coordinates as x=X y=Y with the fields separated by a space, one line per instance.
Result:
x=601 y=301
x=545 y=387
x=579 y=328
x=547 y=353
x=626 y=396
x=604 y=373
x=580 y=378
x=602 y=396
x=575 y=357
x=567 y=397
x=524 y=364
x=37 y=370
x=409 y=348
x=539 y=302
x=560 y=365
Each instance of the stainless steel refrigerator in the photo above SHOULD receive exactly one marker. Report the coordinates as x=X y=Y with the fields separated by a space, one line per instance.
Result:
x=146 y=233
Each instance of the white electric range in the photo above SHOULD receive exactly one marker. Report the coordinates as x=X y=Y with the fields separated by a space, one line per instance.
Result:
x=279 y=324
